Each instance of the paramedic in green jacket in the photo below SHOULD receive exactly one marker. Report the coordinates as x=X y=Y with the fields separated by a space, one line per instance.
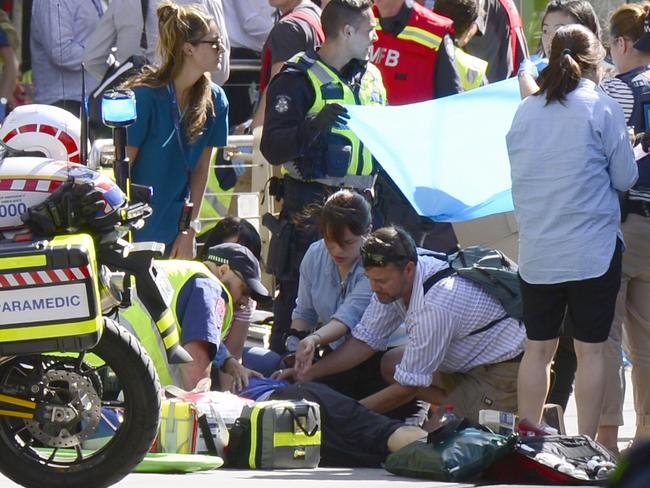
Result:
x=203 y=298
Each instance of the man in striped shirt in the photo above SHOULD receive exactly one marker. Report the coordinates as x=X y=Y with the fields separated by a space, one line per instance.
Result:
x=462 y=348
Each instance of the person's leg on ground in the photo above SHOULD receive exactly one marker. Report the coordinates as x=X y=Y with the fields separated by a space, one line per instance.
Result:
x=261 y=360
x=404 y=436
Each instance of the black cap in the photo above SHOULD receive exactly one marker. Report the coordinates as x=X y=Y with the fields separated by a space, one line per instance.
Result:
x=643 y=44
x=242 y=261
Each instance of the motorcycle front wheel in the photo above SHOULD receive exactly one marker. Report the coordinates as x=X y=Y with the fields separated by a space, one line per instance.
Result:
x=97 y=414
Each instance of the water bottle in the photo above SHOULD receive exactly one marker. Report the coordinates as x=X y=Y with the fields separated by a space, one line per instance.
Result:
x=448 y=415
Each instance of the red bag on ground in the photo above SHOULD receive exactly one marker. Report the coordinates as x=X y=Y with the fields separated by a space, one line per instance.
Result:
x=554 y=460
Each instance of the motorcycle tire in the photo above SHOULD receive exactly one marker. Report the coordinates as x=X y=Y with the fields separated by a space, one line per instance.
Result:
x=21 y=459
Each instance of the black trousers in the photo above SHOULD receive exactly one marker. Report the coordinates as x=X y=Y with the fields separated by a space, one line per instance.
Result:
x=297 y=197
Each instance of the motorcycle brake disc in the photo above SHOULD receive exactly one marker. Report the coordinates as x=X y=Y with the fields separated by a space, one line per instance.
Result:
x=72 y=415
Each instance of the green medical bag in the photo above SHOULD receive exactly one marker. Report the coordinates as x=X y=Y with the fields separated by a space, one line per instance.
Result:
x=277 y=434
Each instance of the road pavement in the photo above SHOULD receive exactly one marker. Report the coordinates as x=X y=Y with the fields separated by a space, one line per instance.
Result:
x=331 y=477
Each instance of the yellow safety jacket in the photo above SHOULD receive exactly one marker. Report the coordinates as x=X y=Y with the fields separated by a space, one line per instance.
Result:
x=216 y=200
x=345 y=151
x=470 y=68
x=139 y=323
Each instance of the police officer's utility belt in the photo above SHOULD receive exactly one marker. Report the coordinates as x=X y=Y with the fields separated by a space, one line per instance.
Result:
x=353 y=182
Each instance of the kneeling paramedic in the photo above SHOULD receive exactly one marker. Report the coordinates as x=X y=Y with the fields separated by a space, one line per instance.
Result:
x=305 y=132
x=463 y=349
x=204 y=296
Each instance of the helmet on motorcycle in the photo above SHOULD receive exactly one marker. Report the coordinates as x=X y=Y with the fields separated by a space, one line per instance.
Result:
x=54 y=132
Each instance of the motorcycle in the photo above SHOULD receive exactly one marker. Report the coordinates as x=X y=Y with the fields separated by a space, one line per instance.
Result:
x=68 y=372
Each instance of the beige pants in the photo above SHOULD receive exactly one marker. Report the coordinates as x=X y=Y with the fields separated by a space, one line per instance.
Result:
x=490 y=387
x=631 y=327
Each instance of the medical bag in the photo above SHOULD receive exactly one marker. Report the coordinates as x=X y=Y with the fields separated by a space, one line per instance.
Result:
x=554 y=459
x=188 y=427
x=49 y=296
x=277 y=434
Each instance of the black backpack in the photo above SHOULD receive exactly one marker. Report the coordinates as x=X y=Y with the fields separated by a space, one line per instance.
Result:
x=493 y=270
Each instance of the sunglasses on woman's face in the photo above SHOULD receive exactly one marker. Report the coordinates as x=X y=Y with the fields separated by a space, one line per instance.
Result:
x=214 y=43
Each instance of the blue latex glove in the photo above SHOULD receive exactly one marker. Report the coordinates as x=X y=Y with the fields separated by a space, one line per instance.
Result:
x=528 y=66
x=540 y=62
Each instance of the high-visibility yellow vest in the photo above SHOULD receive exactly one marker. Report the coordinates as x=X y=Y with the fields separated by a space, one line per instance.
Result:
x=139 y=323
x=470 y=68
x=329 y=88
x=216 y=200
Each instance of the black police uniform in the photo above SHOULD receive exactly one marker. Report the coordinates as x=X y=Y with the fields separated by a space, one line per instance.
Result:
x=288 y=137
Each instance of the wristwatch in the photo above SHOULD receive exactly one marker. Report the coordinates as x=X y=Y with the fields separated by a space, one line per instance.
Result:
x=195 y=225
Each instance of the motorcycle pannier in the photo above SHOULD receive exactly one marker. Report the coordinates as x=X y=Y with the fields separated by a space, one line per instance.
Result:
x=277 y=434
x=49 y=296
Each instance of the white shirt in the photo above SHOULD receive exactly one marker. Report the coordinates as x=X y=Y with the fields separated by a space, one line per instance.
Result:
x=121 y=26
x=438 y=326
x=249 y=22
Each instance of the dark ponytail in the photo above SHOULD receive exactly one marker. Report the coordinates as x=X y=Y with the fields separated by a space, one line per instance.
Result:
x=575 y=53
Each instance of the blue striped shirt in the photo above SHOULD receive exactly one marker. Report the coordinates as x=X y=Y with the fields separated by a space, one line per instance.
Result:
x=438 y=326
x=567 y=160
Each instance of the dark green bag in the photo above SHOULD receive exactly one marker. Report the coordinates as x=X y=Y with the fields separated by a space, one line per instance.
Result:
x=458 y=451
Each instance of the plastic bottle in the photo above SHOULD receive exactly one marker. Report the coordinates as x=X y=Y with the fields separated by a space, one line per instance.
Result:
x=448 y=415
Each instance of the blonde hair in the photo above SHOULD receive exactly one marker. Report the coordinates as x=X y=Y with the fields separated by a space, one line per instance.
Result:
x=177 y=25
x=627 y=20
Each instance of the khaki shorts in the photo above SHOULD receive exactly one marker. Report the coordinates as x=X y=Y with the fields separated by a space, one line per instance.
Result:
x=489 y=387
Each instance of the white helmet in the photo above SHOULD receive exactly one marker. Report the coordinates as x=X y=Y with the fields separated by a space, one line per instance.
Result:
x=44 y=128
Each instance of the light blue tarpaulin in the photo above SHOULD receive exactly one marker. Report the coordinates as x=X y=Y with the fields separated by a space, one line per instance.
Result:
x=448 y=156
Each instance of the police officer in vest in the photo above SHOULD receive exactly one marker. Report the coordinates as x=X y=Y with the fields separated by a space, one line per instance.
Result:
x=203 y=297
x=471 y=70
x=415 y=54
x=305 y=132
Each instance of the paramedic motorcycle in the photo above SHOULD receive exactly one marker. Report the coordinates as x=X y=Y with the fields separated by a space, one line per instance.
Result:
x=67 y=371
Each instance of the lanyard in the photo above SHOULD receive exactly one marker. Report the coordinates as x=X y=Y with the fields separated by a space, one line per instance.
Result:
x=177 y=129
x=98 y=7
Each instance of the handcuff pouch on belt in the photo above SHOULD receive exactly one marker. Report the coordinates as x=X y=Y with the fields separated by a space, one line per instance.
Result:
x=279 y=262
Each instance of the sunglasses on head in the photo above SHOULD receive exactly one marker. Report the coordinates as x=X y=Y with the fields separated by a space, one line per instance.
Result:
x=369 y=258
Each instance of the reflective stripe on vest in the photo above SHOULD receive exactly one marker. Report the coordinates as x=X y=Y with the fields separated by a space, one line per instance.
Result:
x=371 y=92
x=139 y=323
x=415 y=34
x=216 y=200
x=408 y=59
x=470 y=68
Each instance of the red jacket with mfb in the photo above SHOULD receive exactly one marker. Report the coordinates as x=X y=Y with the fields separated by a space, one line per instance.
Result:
x=408 y=61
